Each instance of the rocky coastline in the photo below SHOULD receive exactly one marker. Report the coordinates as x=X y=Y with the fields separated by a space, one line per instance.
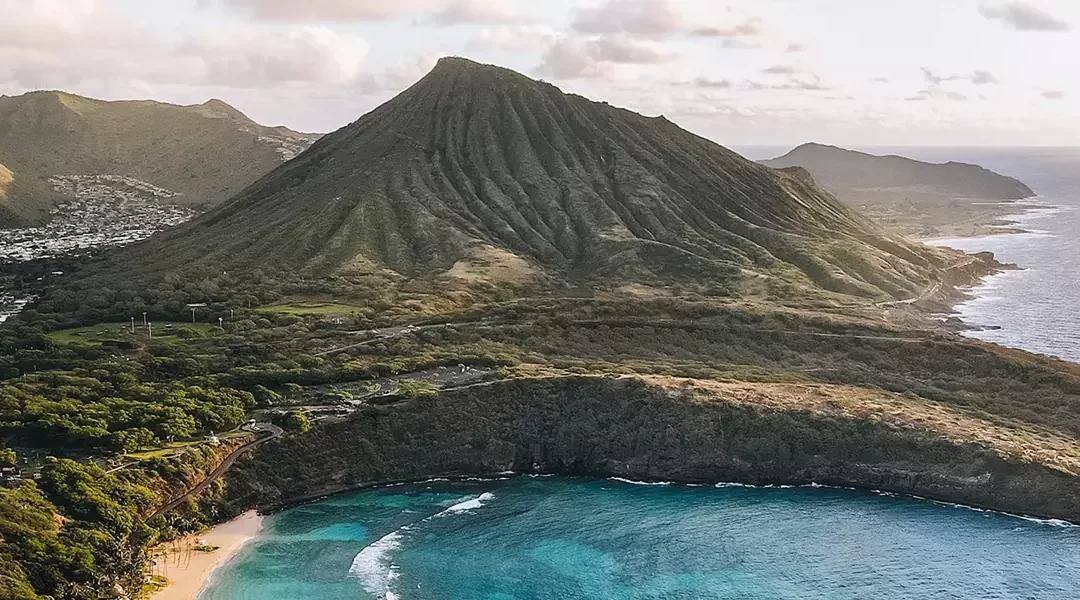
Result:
x=630 y=428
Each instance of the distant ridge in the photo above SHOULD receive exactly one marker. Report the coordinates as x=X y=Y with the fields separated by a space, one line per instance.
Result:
x=206 y=152
x=477 y=170
x=838 y=170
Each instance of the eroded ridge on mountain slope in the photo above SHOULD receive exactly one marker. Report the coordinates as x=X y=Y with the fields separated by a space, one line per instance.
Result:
x=475 y=157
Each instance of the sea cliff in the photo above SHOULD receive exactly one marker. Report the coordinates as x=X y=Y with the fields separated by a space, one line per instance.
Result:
x=679 y=430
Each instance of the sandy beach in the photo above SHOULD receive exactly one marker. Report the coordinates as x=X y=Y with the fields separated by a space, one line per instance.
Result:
x=188 y=569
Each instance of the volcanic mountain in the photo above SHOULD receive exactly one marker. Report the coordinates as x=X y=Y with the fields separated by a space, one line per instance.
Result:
x=205 y=153
x=477 y=170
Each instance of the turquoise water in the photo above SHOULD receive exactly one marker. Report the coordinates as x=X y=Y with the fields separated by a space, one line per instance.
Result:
x=547 y=538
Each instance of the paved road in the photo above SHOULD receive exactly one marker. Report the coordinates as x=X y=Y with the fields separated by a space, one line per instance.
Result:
x=265 y=431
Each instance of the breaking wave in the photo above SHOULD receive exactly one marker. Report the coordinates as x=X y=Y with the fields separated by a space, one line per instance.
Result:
x=374 y=565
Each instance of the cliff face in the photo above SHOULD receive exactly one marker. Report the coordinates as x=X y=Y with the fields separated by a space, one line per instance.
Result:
x=627 y=428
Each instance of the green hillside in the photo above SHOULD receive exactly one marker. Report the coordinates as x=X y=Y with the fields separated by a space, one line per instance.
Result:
x=206 y=153
x=913 y=197
x=478 y=168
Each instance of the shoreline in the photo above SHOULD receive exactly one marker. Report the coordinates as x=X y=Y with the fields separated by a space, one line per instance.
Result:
x=506 y=475
x=189 y=571
x=1008 y=224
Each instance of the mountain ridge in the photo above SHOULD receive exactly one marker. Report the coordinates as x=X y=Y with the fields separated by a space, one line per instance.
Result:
x=205 y=153
x=474 y=157
x=980 y=180
x=921 y=199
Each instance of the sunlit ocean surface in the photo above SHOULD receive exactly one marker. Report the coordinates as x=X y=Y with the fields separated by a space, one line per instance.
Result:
x=554 y=538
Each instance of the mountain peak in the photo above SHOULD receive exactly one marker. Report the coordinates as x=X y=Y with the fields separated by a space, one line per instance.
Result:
x=219 y=109
x=479 y=168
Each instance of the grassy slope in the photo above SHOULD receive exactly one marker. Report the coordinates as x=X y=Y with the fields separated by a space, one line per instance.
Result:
x=478 y=163
x=911 y=197
x=838 y=169
x=207 y=152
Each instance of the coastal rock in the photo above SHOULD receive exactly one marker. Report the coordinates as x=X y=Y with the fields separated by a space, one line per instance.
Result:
x=628 y=428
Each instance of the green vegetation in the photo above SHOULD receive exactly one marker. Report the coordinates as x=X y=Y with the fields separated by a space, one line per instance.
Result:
x=119 y=334
x=293 y=422
x=317 y=308
x=580 y=240
x=626 y=198
x=206 y=153
x=411 y=388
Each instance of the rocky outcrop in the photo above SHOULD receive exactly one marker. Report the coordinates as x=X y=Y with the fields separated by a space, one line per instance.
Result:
x=628 y=428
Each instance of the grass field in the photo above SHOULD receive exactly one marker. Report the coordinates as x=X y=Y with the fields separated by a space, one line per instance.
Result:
x=174 y=447
x=314 y=307
x=120 y=332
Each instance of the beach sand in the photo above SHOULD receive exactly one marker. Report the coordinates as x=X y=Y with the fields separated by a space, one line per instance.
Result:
x=188 y=569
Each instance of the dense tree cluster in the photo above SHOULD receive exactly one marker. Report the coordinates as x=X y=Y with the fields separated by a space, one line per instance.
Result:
x=73 y=535
x=112 y=412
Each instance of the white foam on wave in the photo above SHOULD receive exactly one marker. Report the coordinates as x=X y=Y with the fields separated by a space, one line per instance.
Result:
x=374 y=565
x=467 y=505
x=814 y=485
x=635 y=482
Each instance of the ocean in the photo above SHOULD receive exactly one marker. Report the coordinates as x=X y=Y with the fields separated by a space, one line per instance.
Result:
x=559 y=538
x=1036 y=307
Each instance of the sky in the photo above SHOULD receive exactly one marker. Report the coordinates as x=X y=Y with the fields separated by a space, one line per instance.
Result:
x=741 y=72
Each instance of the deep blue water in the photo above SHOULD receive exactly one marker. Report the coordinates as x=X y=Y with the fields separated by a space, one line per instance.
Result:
x=547 y=538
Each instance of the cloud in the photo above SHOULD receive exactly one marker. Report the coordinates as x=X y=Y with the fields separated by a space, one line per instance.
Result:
x=594 y=57
x=626 y=51
x=933 y=79
x=719 y=84
x=1022 y=16
x=977 y=77
x=749 y=28
x=514 y=38
x=657 y=19
x=430 y=12
x=792 y=48
x=1053 y=94
x=569 y=58
x=254 y=57
x=75 y=25
x=326 y=10
x=807 y=82
x=476 y=11
x=983 y=78
x=780 y=70
x=406 y=72
x=880 y=80
x=937 y=94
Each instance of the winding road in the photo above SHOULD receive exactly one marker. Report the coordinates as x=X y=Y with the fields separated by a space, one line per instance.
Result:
x=271 y=431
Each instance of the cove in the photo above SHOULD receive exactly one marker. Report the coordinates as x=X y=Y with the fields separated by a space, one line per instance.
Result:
x=553 y=537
